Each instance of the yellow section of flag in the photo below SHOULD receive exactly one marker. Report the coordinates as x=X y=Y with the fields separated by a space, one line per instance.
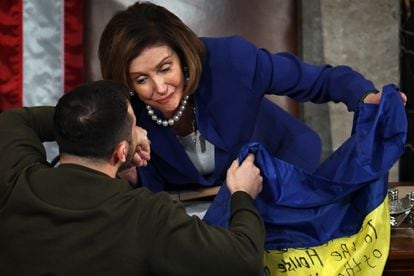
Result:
x=364 y=253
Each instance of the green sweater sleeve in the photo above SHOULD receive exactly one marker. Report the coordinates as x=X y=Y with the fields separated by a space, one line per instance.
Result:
x=183 y=245
x=22 y=132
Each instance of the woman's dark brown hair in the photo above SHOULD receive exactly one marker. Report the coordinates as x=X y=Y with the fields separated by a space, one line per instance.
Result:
x=142 y=25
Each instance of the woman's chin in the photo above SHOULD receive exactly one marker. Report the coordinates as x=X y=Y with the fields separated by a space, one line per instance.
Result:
x=169 y=109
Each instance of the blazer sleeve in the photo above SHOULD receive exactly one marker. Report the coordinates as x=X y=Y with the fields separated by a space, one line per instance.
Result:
x=285 y=74
x=184 y=245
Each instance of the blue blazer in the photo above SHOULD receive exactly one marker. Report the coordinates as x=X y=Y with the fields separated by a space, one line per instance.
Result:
x=231 y=111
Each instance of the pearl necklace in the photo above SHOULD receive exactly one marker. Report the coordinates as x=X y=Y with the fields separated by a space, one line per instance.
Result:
x=174 y=118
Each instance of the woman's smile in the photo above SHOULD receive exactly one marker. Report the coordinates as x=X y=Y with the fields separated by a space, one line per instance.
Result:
x=165 y=99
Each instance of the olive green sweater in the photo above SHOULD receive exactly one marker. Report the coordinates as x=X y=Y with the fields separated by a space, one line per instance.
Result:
x=72 y=220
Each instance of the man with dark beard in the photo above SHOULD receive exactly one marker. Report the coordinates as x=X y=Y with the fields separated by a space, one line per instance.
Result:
x=79 y=218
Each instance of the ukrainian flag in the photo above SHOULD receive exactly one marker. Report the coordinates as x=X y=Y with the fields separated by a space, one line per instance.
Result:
x=334 y=221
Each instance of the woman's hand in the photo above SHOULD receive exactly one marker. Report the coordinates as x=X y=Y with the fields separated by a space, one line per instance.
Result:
x=374 y=98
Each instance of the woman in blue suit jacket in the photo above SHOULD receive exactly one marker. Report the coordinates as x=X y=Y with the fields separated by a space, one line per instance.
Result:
x=202 y=99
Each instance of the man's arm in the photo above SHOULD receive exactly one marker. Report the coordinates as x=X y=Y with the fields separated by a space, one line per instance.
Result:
x=181 y=245
x=22 y=132
x=185 y=245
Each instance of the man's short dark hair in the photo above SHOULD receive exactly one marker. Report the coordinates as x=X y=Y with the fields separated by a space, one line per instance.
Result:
x=92 y=119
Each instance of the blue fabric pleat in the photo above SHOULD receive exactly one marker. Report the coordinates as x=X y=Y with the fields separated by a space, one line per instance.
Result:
x=302 y=209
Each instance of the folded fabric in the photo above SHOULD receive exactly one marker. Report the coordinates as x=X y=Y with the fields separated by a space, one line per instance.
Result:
x=302 y=209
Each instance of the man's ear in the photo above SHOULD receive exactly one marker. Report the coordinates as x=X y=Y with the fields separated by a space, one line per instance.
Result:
x=120 y=152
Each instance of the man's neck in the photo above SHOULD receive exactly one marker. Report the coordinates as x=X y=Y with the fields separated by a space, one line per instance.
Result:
x=91 y=163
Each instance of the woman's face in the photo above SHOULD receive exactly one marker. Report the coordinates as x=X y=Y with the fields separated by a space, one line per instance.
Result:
x=157 y=78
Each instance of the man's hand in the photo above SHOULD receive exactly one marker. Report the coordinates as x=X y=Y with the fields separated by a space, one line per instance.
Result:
x=245 y=177
x=129 y=174
x=140 y=158
x=143 y=150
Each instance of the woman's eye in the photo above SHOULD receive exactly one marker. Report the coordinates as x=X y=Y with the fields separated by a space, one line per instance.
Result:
x=140 y=80
x=165 y=68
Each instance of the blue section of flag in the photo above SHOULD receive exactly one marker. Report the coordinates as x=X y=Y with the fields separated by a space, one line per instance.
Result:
x=303 y=209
